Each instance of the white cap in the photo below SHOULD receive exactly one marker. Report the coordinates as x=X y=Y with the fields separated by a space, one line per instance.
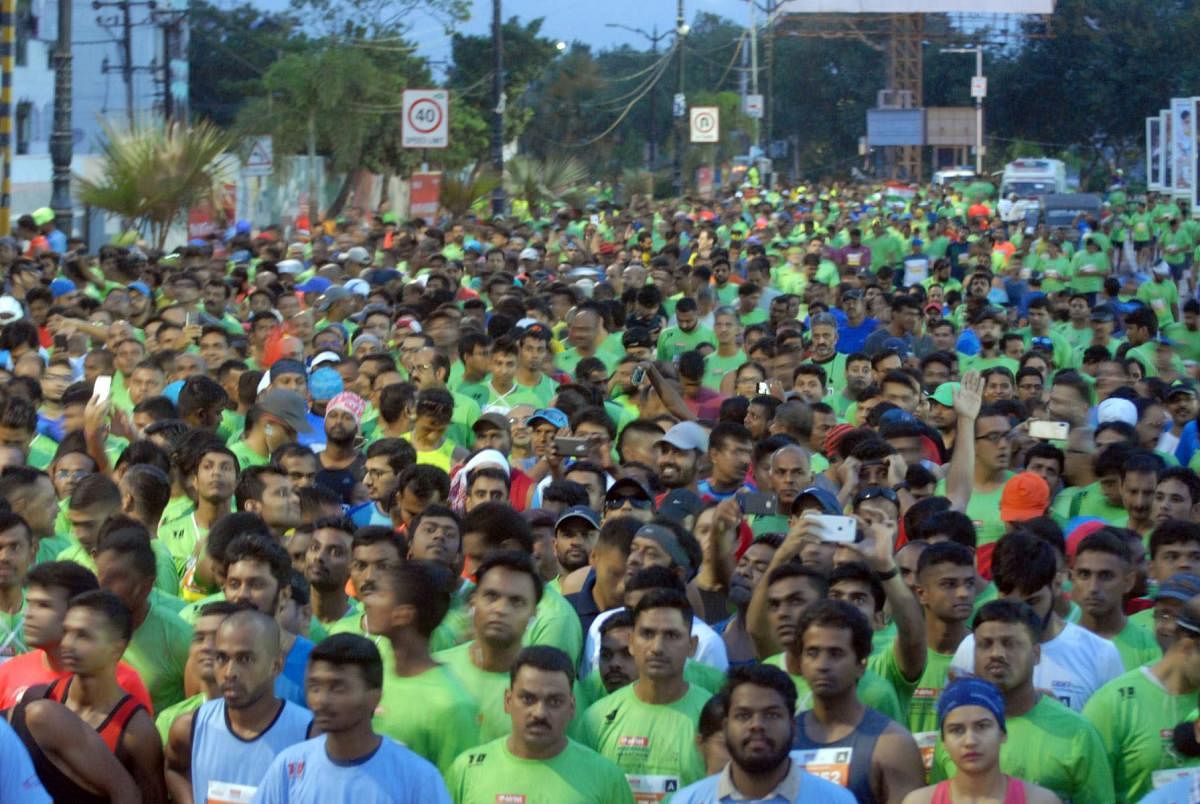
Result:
x=289 y=267
x=357 y=254
x=10 y=310
x=358 y=286
x=324 y=357
x=1162 y=269
x=530 y=254
x=1117 y=410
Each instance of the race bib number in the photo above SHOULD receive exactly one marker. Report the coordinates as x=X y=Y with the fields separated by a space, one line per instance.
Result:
x=227 y=793
x=854 y=259
x=1162 y=778
x=1159 y=305
x=831 y=764
x=926 y=743
x=651 y=789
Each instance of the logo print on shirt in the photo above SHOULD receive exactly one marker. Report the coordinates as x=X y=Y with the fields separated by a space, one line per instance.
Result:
x=510 y=798
x=629 y=741
x=295 y=771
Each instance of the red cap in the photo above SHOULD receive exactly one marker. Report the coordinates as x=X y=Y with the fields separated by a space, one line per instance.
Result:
x=1080 y=533
x=835 y=436
x=1025 y=496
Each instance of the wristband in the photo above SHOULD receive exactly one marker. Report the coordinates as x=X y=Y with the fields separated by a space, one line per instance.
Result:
x=887 y=576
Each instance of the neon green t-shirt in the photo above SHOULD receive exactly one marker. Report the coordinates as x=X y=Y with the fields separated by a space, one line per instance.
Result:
x=430 y=713
x=166 y=581
x=674 y=341
x=12 y=639
x=919 y=698
x=716 y=367
x=1136 y=645
x=159 y=651
x=578 y=775
x=983 y=508
x=653 y=744
x=873 y=691
x=168 y=716
x=556 y=624
x=1136 y=718
x=1052 y=746
x=246 y=456
x=485 y=688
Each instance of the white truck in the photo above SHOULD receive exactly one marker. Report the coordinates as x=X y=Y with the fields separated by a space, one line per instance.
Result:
x=1030 y=180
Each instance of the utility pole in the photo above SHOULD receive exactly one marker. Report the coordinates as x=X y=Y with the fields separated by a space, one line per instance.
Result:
x=978 y=92
x=127 y=57
x=652 y=151
x=680 y=108
x=769 y=78
x=8 y=39
x=754 y=69
x=61 y=141
x=498 y=198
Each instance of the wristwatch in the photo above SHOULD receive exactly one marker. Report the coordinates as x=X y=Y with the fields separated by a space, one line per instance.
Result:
x=887 y=576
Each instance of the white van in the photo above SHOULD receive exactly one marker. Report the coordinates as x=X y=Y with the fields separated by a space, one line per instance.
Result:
x=1031 y=179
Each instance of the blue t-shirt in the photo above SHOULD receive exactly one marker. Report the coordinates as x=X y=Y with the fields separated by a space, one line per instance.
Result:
x=391 y=774
x=853 y=339
x=289 y=684
x=18 y=780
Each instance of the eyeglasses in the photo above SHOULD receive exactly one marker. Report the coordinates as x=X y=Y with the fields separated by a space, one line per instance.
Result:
x=71 y=474
x=637 y=503
x=995 y=437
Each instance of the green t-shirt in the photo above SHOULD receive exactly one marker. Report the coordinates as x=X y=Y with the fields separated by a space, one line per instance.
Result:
x=591 y=688
x=246 y=456
x=486 y=690
x=673 y=341
x=1052 y=746
x=1093 y=283
x=159 y=651
x=578 y=775
x=716 y=367
x=556 y=624
x=41 y=451
x=653 y=744
x=1136 y=645
x=873 y=691
x=178 y=531
x=983 y=508
x=1136 y=719
x=976 y=363
x=835 y=373
x=1187 y=341
x=50 y=547
x=166 y=581
x=168 y=716
x=430 y=713
x=1160 y=297
x=12 y=638
x=920 y=698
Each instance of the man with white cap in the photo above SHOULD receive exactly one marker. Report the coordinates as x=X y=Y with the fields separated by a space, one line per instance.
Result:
x=355 y=260
x=678 y=454
x=1161 y=295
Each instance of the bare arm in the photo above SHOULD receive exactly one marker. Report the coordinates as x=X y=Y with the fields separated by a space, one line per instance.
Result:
x=179 y=759
x=144 y=748
x=716 y=569
x=967 y=401
x=896 y=767
x=76 y=749
x=758 y=624
x=672 y=400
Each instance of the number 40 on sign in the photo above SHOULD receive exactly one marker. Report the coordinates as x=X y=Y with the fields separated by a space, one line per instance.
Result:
x=425 y=118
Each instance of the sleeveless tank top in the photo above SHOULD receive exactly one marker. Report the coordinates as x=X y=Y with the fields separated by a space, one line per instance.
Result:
x=227 y=768
x=59 y=785
x=442 y=457
x=860 y=743
x=1013 y=794
x=113 y=726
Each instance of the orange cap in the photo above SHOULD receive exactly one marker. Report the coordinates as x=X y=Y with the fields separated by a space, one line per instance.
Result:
x=1026 y=496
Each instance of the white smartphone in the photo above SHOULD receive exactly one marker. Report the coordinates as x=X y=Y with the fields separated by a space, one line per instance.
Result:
x=764 y=389
x=835 y=529
x=102 y=388
x=1050 y=431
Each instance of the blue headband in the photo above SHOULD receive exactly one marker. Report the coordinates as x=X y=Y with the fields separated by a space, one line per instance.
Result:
x=971 y=691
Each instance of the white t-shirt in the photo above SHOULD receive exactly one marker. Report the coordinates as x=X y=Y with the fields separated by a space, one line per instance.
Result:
x=710 y=648
x=1074 y=664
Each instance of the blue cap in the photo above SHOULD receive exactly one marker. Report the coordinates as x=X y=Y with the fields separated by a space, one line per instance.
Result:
x=171 y=391
x=552 y=415
x=1182 y=586
x=826 y=499
x=317 y=284
x=140 y=287
x=899 y=344
x=579 y=512
x=61 y=287
x=325 y=383
x=286 y=366
x=971 y=691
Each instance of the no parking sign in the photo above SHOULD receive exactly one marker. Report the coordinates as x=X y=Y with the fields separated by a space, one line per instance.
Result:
x=425 y=119
x=706 y=125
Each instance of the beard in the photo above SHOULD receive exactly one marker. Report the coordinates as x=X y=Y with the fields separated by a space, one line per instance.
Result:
x=759 y=763
x=341 y=436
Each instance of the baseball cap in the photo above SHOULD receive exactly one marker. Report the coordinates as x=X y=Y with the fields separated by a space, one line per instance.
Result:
x=835 y=436
x=680 y=504
x=409 y=323
x=333 y=358
x=289 y=267
x=944 y=394
x=42 y=215
x=1025 y=496
x=531 y=254
x=61 y=287
x=330 y=297
x=1162 y=269
x=1079 y=529
x=686 y=436
x=628 y=483
x=356 y=254
x=1180 y=387
x=10 y=309
x=825 y=499
x=578 y=512
x=140 y=287
x=1117 y=410
x=637 y=337
x=317 y=284
x=552 y=416
x=496 y=420
x=898 y=344
x=1182 y=586
x=288 y=407
x=358 y=287
x=286 y=366
x=665 y=538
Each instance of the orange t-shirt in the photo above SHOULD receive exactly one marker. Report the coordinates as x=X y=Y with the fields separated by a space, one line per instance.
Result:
x=32 y=670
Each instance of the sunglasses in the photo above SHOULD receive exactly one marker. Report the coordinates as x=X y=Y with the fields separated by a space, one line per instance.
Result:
x=638 y=503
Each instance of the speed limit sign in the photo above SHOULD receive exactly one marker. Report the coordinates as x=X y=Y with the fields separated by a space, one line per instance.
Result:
x=425 y=119
x=706 y=125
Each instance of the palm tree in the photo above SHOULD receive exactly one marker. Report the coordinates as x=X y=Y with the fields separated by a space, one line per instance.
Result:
x=459 y=194
x=537 y=181
x=151 y=173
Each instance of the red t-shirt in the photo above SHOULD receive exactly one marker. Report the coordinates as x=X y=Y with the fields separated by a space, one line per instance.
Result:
x=31 y=670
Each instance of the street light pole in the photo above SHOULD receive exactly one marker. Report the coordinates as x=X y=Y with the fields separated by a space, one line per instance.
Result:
x=652 y=151
x=61 y=141
x=680 y=122
x=498 y=198
x=978 y=95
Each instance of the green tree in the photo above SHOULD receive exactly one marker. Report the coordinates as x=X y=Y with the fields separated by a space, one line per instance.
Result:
x=151 y=173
